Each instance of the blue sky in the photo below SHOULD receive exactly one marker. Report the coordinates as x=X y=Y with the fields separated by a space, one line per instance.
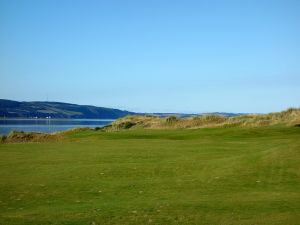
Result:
x=153 y=55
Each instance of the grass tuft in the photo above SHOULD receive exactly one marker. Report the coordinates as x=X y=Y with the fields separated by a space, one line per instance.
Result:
x=20 y=136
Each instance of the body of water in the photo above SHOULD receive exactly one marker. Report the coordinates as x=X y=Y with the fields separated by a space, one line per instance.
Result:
x=48 y=125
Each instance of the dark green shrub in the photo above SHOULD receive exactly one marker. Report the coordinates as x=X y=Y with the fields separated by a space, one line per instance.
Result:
x=171 y=119
x=3 y=138
x=126 y=125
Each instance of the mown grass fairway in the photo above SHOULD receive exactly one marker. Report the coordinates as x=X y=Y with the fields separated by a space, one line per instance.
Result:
x=221 y=176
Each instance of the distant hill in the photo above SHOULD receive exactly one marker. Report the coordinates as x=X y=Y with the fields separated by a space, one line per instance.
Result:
x=15 y=109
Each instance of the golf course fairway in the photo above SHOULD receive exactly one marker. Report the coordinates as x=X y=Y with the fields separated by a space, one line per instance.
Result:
x=212 y=176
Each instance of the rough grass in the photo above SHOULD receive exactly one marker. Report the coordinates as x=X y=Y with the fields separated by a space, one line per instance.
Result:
x=212 y=176
x=20 y=136
x=288 y=117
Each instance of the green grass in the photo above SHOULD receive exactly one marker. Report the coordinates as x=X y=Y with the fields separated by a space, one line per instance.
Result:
x=221 y=176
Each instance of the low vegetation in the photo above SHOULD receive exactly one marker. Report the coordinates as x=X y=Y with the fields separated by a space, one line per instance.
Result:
x=20 y=136
x=288 y=117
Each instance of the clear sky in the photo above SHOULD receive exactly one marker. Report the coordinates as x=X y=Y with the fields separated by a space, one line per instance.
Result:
x=153 y=55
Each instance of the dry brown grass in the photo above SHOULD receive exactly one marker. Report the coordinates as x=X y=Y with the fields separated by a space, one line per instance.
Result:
x=287 y=117
x=20 y=136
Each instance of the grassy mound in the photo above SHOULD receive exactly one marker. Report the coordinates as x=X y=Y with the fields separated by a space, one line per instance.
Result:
x=288 y=117
x=20 y=136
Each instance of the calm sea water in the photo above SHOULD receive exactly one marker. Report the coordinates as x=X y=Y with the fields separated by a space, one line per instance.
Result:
x=48 y=125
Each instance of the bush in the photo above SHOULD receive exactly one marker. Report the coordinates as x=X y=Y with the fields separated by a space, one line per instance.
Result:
x=3 y=138
x=126 y=125
x=171 y=119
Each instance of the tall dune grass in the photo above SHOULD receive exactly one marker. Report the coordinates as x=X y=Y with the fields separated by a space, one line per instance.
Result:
x=290 y=116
